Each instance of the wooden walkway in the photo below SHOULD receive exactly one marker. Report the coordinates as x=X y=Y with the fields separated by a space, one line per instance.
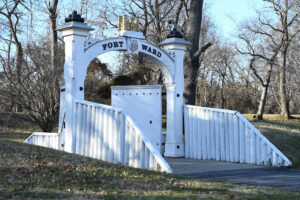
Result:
x=281 y=178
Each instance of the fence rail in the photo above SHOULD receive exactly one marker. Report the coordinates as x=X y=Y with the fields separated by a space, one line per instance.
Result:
x=107 y=133
x=50 y=140
x=226 y=135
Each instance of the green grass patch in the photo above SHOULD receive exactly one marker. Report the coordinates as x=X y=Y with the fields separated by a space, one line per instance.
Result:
x=28 y=171
x=278 y=122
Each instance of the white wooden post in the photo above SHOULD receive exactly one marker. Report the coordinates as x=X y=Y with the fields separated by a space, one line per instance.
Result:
x=74 y=34
x=174 y=142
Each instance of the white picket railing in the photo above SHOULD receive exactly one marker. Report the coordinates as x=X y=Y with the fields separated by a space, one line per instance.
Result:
x=106 y=133
x=50 y=140
x=226 y=135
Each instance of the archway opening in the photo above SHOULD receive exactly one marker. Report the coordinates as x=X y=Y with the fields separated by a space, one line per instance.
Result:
x=122 y=68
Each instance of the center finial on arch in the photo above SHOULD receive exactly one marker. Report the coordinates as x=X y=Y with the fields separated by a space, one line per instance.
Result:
x=128 y=24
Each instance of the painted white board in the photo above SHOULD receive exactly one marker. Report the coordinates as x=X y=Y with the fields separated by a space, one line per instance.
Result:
x=143 y=104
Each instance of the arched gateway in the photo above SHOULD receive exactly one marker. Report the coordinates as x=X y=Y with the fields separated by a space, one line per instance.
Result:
x=80 y=51
x=115 y=135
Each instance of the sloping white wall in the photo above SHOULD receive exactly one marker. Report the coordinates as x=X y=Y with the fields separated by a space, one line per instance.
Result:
x=226 y=135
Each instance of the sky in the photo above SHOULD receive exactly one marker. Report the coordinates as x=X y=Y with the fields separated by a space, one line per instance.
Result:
x=226 y=13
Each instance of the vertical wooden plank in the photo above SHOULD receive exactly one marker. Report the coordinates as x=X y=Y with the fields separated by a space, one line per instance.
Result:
x=199 y=131
x=231 y=137
x=147 y=157
x=263 y=152
x=151 y=161
x=126 y=144
x=92 y=136
x=116 y=144
x=274 y=158
x=247 y=145
x=222 y=136
x=111 y=136
x=227 y=137
x=38 y=139
x=83 y=127
x=213 y=135
x=137 y=150
x=190 y=142
x=87 y=132
x=194 y=134
x=207 y=134
x=49 y=142
x=217 y=135
x=236 y=139
x=279 y=161
x=258 y=150
x=122 y=141
x=46 y=140
x=97 y=133
x=203 y=138
x=186 y=132
x=105 y=135
x=242 y=141
x=131 y=146
x=253 y=147
x=78 y=128
x=74 y=126
x=142 y=153
x=101 y=133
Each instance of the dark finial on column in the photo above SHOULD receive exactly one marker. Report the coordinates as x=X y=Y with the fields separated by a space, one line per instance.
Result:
x=74 y=17
x=175 y=34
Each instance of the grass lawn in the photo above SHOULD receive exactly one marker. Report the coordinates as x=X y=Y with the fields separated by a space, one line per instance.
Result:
x=28 y=171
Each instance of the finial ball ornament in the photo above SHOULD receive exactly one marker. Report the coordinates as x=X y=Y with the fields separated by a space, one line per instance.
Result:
x=74 y=17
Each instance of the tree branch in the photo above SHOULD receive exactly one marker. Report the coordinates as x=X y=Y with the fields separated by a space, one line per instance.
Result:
x=203 y=49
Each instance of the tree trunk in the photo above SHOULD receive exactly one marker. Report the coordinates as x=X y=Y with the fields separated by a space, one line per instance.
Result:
x=53 y=35
x=19 y=61
x=191 y=62
x=283 y=58
x=282 y=87
x=19 y=67
x=264 y=92
x=262 y=102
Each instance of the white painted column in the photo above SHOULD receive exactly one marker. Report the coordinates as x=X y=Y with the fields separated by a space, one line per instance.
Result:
x=74 y=35
x=174 y=141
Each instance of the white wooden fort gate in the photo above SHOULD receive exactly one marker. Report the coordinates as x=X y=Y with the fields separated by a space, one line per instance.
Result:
x=111 y=134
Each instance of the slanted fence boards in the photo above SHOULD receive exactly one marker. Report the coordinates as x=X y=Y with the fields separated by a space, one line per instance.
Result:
x=226 y=135
x=49 y=140
x=109 y=134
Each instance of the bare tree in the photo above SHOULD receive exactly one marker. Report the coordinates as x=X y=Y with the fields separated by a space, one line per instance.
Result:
x=36 y=85
x=260 y=46
x=287 y=12
x=12 y=13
